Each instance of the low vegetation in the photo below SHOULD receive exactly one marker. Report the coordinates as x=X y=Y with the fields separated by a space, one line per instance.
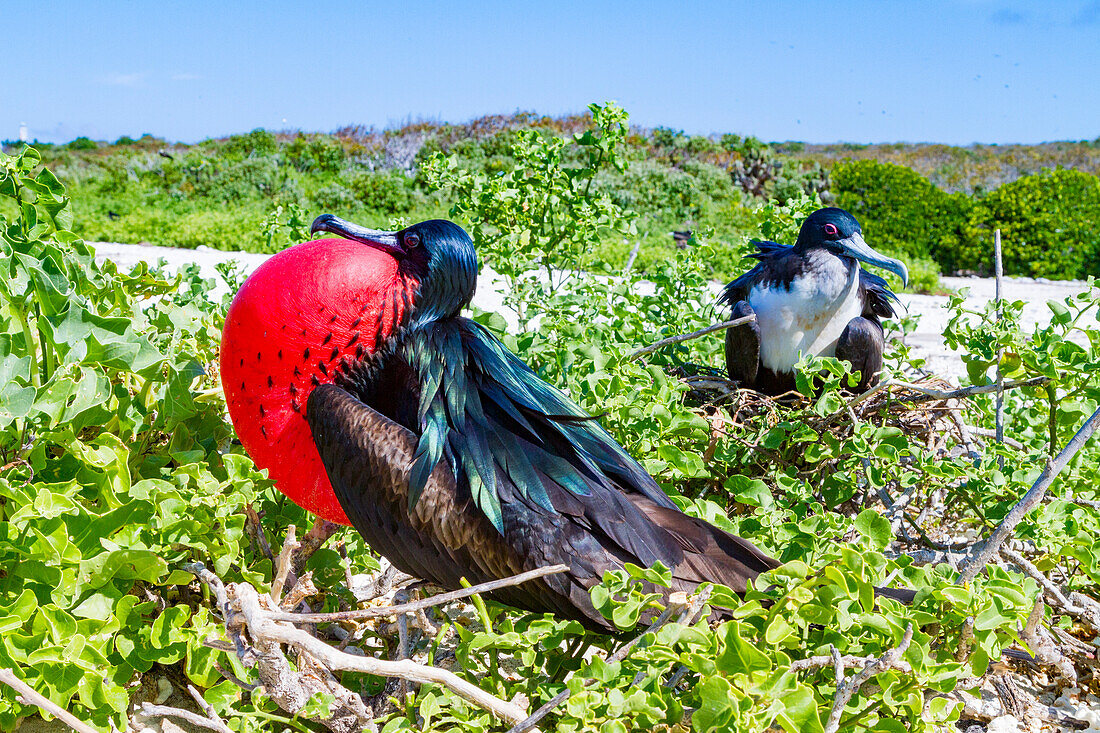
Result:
x=935 y=205
x=120 y=469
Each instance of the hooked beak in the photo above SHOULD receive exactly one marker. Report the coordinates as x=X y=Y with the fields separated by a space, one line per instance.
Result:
x=385 y=241
x=855 y=246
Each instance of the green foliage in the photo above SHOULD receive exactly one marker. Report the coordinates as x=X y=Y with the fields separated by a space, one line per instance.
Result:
x=1048 y=222
x=119 y=464
x=259 y=142
x=387 y=193
x=315 y=153
x=796 y=480
x=527 y=222
x=116 y=467
x=902 y=213
x=146 y=190
x=82 y=143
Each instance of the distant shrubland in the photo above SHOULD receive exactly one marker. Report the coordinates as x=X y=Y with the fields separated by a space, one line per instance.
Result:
x=934 y=205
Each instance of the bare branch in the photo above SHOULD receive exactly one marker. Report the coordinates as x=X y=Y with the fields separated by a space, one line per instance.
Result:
x=847 y=687
x=1083 y=612
x=861 y=398
x=987 y=433
x=689 y=336
x=849 y=660
x=208 y=709
x=282 y=564
x=633 y=255
x=261 y=626
x=31 y=697
x=436 y=600
x=1000 y=404
x=149 y=710
x=982 y=552
x=926 y=394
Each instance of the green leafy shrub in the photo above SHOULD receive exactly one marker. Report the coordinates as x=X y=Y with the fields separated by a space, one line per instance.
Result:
x=259 y=142
x=82 y=143
x=1048 y=222
x=902 y=213
x=119 y=466
x=315 y=153
x=385 y=192
x=333 y=198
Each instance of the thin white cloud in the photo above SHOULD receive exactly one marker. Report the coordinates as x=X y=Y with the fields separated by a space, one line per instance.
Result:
x=185 y=77
x=123 y=80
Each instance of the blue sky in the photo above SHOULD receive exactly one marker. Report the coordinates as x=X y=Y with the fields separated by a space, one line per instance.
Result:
x=864 y=71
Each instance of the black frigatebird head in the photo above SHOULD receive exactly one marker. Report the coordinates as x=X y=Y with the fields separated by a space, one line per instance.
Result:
x=438 y=254
x=837 y=231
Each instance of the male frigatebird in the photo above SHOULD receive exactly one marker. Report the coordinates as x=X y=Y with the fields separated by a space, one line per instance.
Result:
x=446 y=452
x=811 y=298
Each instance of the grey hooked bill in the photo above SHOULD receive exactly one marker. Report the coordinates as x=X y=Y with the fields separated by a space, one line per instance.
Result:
x=857 y=247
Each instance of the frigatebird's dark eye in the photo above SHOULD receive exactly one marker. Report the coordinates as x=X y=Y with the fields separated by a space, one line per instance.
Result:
x=412 y=240
x=831 y=230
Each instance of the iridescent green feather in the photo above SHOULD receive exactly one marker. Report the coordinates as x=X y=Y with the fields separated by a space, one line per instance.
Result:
x=497 y=421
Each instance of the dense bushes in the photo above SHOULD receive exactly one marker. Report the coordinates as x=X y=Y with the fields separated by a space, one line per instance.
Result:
x=1050 y=221
x=901 y=212
x=1050 y=226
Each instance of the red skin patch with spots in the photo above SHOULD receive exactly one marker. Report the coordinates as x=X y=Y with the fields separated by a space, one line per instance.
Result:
x=289 y=327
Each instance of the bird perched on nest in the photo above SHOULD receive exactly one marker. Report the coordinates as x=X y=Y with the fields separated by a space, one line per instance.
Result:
x=351 y=376
x=811 y=298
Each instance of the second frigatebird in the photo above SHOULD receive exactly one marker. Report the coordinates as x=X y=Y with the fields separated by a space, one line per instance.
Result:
x=811 y=298
x=446 y=452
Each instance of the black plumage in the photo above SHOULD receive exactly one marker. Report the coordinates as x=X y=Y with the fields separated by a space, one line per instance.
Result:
x=455 y=460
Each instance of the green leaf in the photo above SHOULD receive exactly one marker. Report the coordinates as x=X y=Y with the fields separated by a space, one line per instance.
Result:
x=875 y=528
x=739 y=652
x=797 y=711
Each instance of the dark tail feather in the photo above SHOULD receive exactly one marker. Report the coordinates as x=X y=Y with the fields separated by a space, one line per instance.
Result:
x=901 y=595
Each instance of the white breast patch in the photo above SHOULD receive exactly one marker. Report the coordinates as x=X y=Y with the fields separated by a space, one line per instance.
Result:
x=808 y=318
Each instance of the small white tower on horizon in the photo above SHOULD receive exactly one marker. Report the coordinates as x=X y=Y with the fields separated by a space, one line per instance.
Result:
x=23 y=131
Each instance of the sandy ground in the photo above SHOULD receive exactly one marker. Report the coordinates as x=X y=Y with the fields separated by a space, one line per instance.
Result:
x=927 y=341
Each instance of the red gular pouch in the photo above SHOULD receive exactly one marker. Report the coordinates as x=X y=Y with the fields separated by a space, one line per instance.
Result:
x=297 y=321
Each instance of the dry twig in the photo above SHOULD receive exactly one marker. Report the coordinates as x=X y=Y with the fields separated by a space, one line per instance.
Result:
x=1000 y=404
x=282 y=564
x=689 y=336
x=924 y=394
x=436 y=600
x=1082 y=612
x=149 y=710
x=848 y=660
x=260 y=626
x=31 y=697
x=208 y=709
x=846 y=687
x=244 y=610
